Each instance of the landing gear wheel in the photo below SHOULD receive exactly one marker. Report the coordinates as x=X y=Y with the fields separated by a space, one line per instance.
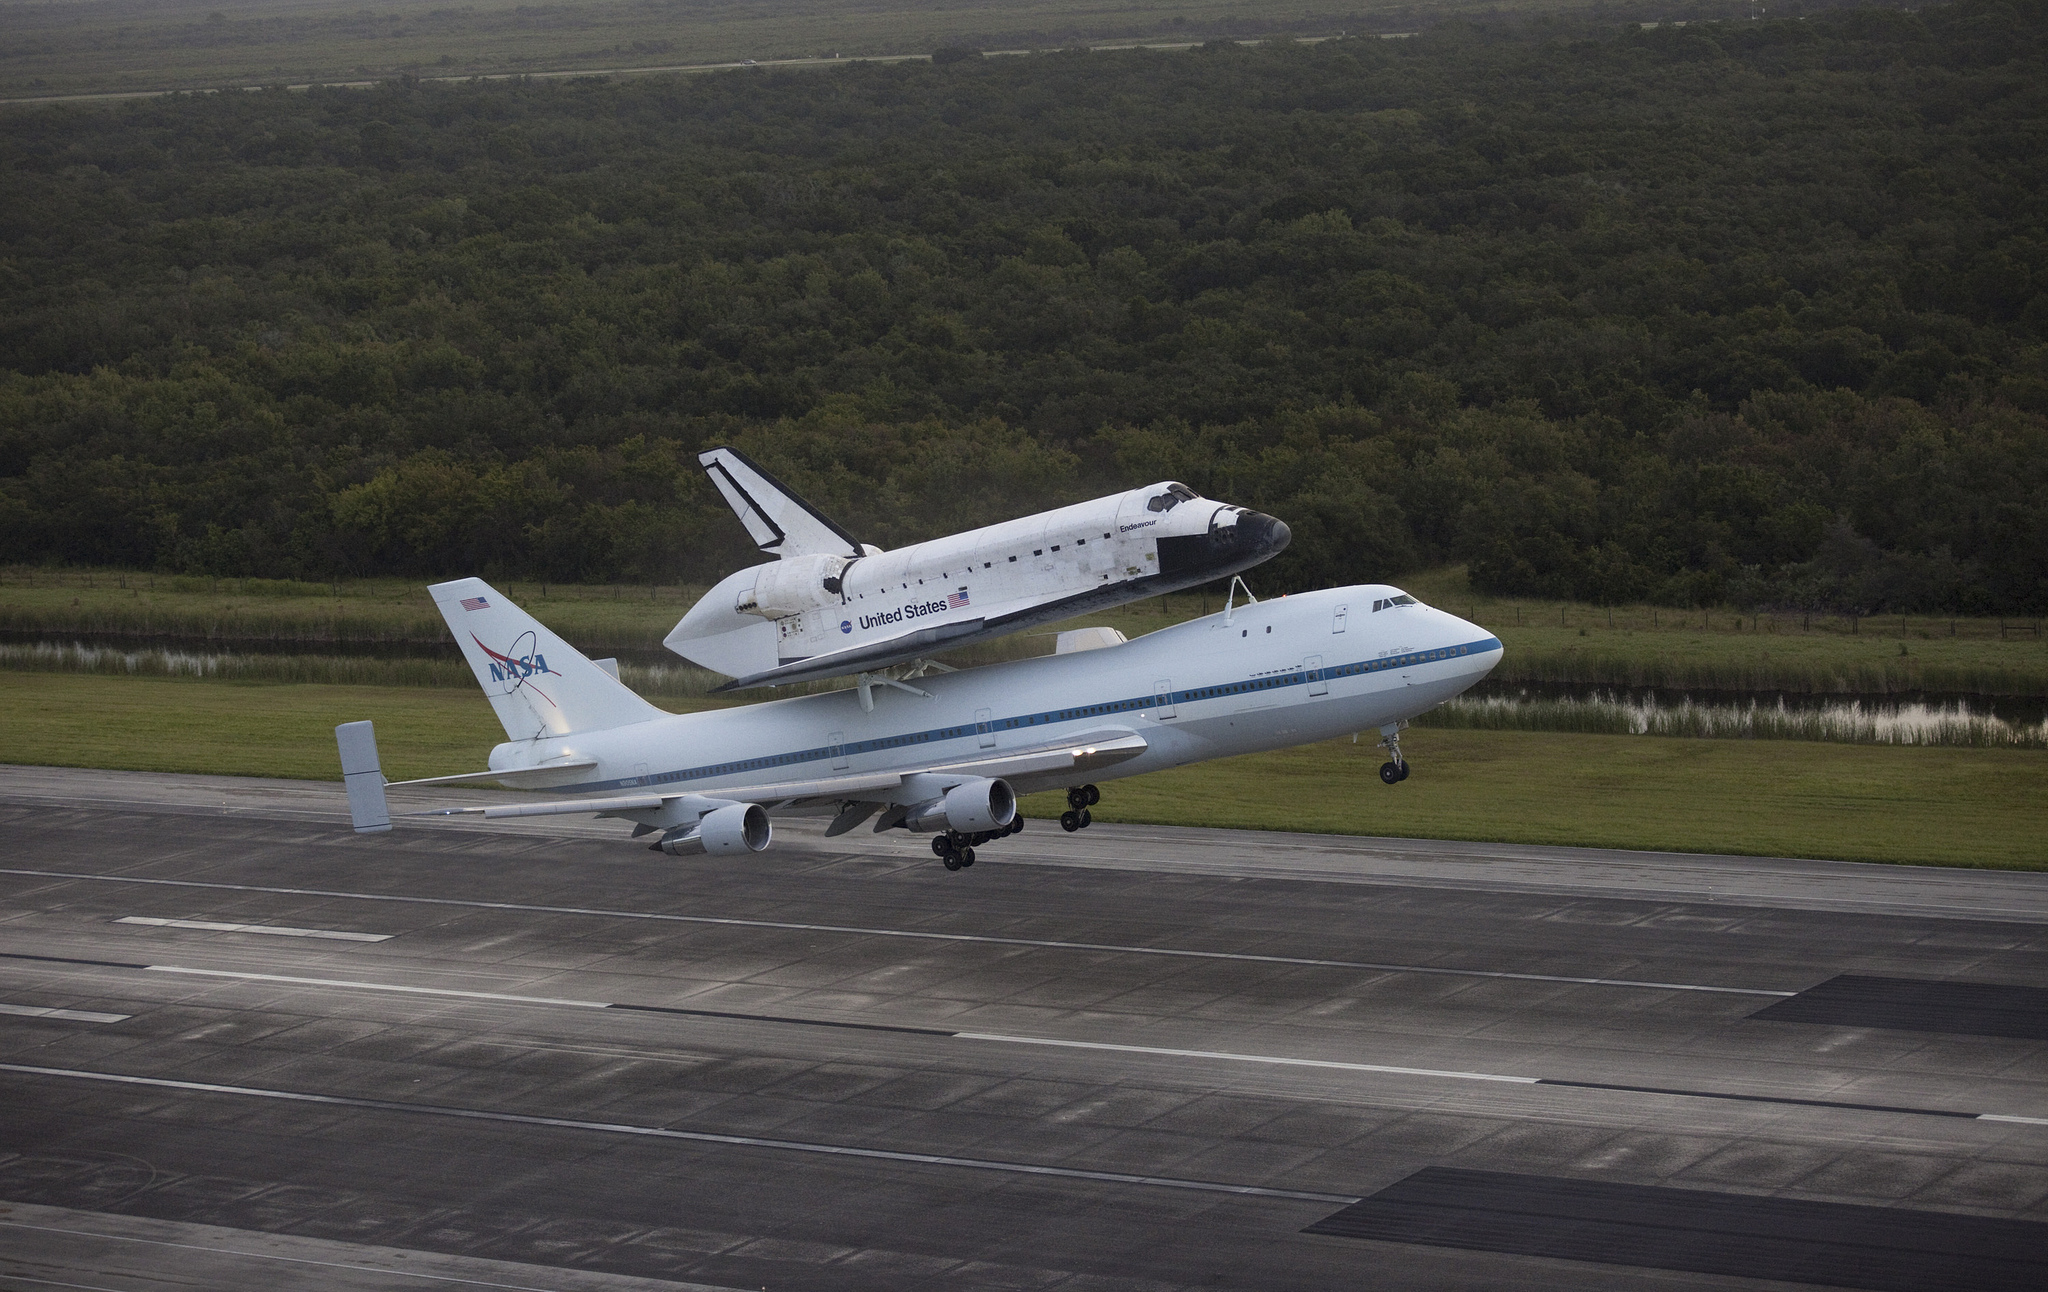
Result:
x=1077 y=797
x=1086 y=819
x=1016 y=826
x=1070 y=821
x=954 y=863
x=965 y=859
x=1094 y=795
x=1404 y=771
x=1393 y=773
x=941 y=845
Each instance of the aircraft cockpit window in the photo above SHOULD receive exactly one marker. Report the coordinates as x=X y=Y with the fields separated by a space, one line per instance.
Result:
x=1388 y=603
x=1176 y=494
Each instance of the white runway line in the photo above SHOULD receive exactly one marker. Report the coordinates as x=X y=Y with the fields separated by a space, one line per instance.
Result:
x=279 y=930
x=380 y=986
x=918 y=934
x=701 y=1137
x=73 y=1015
x=1249 y=1058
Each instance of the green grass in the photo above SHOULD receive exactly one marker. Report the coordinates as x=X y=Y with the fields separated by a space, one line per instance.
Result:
x=1944 y=807
x=1953 y=807
x=136 y=45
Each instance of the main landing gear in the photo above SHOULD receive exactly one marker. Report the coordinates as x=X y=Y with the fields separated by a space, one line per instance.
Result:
x=1079 y=800
x=1395 y=769
x=957 y=849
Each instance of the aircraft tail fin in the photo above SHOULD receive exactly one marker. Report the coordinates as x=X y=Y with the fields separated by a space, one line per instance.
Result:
x=363 y=775
x=780 y=523
x=539 y=684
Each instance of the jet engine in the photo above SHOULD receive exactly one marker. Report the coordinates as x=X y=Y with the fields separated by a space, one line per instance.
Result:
x=969 y=807
x=735 y=829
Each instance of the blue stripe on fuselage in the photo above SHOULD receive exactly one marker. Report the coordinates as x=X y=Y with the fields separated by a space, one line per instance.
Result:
x=1025 y=722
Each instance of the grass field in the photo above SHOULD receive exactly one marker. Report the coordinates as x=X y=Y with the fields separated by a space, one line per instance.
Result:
x=1547 y=641
x=88 y=46
x=1940 y=807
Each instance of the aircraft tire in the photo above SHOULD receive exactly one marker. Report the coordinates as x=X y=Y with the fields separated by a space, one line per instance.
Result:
x=954 y=863
x=941 y=845
x=1070 y=821
x=1086 y=819
x=966 y=857
x=1016 y=825
x=1093 y=795
x=1405 y=769
x=1391 y=773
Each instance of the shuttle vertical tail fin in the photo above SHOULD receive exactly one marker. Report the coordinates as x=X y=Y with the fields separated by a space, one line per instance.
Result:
x=780 y=523
x=539 y=684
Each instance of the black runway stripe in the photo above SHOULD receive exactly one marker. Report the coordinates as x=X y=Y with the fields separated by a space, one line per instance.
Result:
x=1888 y=1249
x=71 y=960
x=1759 y=1099
x=778 y=1018
x=1919 y=1005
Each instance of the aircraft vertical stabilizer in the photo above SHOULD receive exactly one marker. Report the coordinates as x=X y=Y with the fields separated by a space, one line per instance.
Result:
x=539 y=684
x=779 y=522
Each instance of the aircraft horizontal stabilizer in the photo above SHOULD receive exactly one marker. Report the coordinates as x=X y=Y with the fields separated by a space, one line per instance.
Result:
x=539 y=777
x=364 y=777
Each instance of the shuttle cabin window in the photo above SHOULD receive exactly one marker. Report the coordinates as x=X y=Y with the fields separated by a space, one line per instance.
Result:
x=1013 y=560
x=1176 y=494
x=1055 y=547
x=1038 y=551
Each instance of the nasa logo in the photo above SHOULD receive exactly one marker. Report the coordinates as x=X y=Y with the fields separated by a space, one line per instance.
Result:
x=513 y=669
x=846 y=625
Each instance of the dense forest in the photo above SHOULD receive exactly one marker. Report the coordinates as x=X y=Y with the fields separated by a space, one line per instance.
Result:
x=1751 y=312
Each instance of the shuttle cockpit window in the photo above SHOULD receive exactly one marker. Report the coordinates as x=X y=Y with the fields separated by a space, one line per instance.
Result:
x=1176 y=494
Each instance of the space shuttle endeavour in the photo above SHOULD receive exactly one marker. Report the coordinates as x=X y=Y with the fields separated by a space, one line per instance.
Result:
x=831 y=605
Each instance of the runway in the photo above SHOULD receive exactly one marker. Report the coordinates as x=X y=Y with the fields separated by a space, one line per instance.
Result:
x=241 y=1047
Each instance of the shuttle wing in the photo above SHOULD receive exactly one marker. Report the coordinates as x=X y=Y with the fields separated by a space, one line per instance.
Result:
x=780 y=523
x=895 y=650
x=1053 y=759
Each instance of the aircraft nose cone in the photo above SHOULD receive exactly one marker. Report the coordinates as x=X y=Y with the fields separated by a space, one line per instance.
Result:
x=1258 y=532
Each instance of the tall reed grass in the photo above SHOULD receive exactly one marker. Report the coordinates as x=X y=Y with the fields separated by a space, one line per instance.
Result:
x=1846 y=725
x=1894 y=676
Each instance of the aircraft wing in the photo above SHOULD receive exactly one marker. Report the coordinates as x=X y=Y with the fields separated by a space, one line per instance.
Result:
x=1047 y=761
x=780 y=523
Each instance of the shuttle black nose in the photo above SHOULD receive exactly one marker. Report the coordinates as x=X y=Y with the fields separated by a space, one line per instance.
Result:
x=1262 y=534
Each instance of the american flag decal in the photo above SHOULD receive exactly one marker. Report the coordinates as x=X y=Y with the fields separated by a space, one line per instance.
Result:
x=957 y=599
x=475 y=603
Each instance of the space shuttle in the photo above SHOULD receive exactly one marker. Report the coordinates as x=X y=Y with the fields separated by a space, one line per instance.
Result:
x=831 y=605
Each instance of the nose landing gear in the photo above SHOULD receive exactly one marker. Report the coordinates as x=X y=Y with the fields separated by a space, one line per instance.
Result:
x=1395 y=769
x=1079 y=799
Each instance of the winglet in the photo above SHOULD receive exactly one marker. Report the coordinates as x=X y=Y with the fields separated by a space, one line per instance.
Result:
x=363 y=776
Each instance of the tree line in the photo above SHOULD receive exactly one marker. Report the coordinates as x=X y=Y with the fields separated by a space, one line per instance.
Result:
x=1724 y=312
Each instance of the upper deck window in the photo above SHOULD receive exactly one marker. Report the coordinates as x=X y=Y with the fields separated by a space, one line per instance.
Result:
x=1176 y=494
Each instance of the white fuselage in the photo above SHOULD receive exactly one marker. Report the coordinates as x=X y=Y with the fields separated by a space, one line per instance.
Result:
x=1267 y=675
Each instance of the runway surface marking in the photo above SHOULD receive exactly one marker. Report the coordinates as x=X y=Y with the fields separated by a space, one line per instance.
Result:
x=700 y=1137
x=276 y=929
x=918 y=934
x=1052 y=1042
x=255 y=1256
x=74 y=1015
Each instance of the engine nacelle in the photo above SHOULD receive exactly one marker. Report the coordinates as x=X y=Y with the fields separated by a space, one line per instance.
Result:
x=734 y=829
x=792 y=585
x=969 y=807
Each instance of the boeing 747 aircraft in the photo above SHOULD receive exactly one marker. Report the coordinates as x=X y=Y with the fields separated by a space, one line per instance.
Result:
x=948 y=755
